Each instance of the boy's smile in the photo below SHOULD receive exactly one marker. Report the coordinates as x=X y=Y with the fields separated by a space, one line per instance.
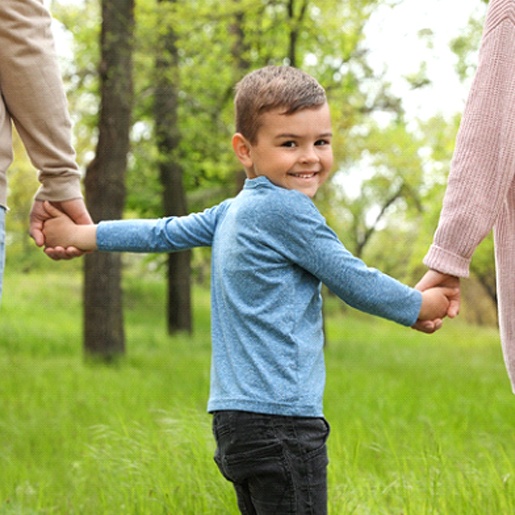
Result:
x=292 y=150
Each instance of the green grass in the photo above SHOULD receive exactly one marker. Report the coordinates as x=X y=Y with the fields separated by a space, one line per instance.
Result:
x=420 y=424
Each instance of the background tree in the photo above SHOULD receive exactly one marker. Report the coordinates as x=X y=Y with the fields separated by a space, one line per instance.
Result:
x=168 y=140
x=105 y=184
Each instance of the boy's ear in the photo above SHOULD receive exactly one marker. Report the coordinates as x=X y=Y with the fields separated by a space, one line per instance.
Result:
x=241 y=148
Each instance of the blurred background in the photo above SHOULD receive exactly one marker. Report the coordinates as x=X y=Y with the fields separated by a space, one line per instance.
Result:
x=396 y=72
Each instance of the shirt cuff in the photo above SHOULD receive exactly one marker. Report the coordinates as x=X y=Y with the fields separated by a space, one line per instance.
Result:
x=446 y=262
x=59 y=189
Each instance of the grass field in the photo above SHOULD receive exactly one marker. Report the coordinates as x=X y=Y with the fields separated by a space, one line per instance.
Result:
x=420 y=424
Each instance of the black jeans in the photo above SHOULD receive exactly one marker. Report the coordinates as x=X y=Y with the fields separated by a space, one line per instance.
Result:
x=278 y=465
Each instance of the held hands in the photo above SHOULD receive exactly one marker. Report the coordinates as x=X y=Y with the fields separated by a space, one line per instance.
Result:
x=76 y=211
x=433 y=278
x=60 y=231
x=440 y=298
x=58 y=228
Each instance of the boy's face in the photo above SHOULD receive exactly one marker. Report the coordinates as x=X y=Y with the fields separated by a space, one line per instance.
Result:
x=293 y=151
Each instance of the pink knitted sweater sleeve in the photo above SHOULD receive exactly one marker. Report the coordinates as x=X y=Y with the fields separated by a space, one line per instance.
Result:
x=483 y=165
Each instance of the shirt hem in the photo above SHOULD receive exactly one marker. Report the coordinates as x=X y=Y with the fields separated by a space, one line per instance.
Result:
x=266 y=409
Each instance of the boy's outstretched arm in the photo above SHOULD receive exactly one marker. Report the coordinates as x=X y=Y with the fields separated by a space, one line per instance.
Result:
x=61 y=231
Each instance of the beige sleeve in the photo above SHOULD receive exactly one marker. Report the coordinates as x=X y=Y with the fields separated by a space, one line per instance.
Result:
x=32 y=90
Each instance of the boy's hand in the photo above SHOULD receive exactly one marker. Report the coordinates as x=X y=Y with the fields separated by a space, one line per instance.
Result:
x=435 y=306
x=58 y=229
x=74 y=208
x=61 y=231
x=435 y=303
x=433 y=278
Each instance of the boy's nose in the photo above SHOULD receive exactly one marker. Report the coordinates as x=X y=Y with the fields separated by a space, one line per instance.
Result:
x=309 y=155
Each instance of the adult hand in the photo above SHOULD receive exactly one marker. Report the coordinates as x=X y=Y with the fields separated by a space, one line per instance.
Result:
x=75 y=209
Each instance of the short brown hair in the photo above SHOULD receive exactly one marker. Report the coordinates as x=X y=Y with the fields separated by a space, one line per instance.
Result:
x=273 y=87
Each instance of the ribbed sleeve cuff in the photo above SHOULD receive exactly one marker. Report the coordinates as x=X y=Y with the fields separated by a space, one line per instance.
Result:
x=59 y=188
x=446 y=262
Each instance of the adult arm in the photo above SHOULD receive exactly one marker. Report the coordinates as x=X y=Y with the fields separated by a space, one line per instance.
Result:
x=483 y=165
x=32 y=89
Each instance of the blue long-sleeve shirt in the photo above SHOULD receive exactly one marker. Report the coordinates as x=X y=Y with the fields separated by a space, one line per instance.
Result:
x=271 y=250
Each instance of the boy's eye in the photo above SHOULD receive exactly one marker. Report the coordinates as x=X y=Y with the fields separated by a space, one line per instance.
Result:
x=289 y=144
x=322 y=142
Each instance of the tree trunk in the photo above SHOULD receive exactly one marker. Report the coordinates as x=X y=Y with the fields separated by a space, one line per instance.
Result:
x=295 y=23
x=174 y=197
x=239 y=53
x=105 y=180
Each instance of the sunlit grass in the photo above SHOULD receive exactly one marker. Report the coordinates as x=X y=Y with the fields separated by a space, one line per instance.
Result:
x=420 y=424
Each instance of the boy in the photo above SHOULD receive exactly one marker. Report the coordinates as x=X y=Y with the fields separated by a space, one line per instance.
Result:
x=271 y=249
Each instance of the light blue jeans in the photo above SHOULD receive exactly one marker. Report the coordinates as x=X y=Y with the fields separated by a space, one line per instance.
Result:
x=2 y=247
